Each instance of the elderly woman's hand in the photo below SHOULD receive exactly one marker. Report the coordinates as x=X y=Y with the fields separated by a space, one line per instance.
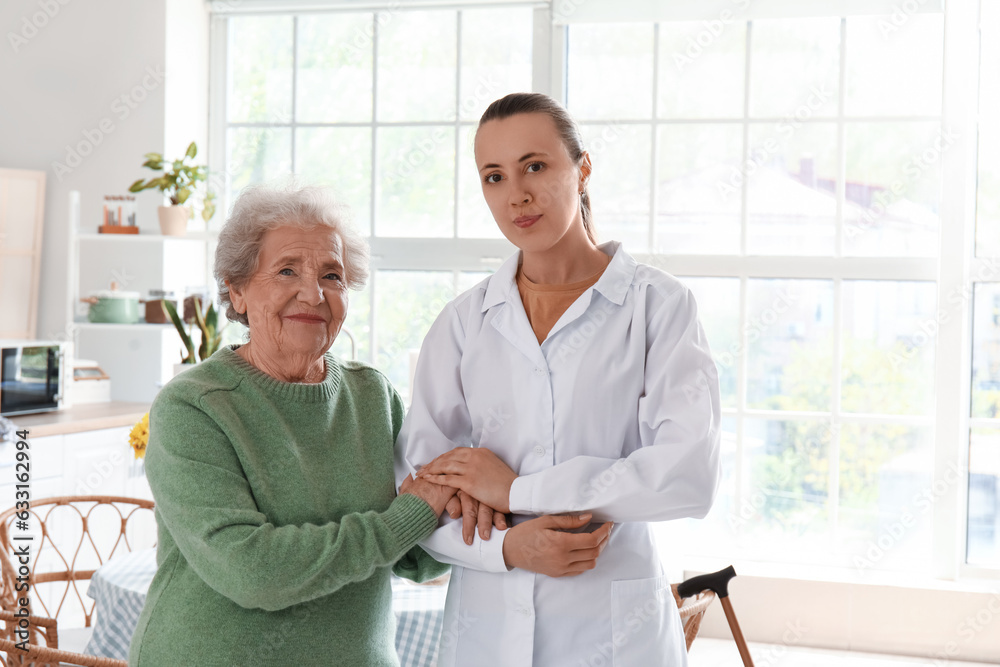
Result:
x=435 y=495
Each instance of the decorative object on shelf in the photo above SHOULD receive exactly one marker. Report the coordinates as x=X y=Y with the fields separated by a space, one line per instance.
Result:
x=119 y=215
x=193 y=294
x=178 y=183
x=113 y=306
x=155 y=312
x=138 y=437
x=211 y=335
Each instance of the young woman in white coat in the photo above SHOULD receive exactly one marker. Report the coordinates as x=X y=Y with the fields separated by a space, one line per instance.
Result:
x=573 y=390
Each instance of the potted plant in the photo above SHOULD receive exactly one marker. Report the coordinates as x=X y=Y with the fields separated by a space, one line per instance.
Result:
x=178 y=182
x=208 y=325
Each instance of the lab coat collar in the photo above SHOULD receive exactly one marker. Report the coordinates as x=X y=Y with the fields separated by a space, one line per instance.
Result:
x=612 y=285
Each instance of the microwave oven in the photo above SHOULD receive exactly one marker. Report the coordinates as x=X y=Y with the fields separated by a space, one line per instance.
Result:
x=33 y=376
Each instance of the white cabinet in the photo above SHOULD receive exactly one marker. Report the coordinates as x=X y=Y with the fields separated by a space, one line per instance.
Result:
x=101 y=463
x=139 y=358
x=46 y=468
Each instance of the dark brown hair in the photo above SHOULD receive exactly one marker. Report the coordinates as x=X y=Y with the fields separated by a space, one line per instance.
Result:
x=519 y=103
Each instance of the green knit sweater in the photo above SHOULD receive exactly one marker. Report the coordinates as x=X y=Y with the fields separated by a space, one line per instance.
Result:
x=277 y=519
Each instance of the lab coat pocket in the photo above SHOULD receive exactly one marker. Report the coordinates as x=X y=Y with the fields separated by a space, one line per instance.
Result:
x=646 y=628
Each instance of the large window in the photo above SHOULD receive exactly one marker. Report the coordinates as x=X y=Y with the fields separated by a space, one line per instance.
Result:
x=793 y=171
x=380 y=105
x=788 y=138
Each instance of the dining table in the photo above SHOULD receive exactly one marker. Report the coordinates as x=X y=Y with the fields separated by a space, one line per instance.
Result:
x=119 y=591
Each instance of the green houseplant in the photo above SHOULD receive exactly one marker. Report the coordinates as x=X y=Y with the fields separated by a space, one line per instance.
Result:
x=208 y=324
x=179 y=181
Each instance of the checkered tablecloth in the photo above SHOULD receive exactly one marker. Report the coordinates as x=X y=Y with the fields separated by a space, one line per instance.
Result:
x=119 y=589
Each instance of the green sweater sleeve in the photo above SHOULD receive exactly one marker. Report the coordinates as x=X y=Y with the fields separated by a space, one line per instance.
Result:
x=205 y=502
x=418 y=566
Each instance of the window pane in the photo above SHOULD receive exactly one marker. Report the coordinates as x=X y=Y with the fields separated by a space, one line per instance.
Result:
x=406 y=304
x=260 y=69
x=696 y=212
x=894 y=69
x=619 y=185
x=496 y=57
x=358 y=326
x=416 y=65
x=334 y=79
x=893 y=195
x=889 y=333
x=986 y=351
x=416 y=181
x=611 y=72
x=257 y=155
x=795 y=68
x=474 y=217
x=342 y=158
x=787 y=473
x=984 y=498
x=469 y=279
x=789 y=332
x=791 y=174
x=718 y=309
x=885 y=515
x=988 y=188
x=702 y=71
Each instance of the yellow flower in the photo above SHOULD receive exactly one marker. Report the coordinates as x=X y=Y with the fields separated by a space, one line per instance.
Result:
x=139 y=436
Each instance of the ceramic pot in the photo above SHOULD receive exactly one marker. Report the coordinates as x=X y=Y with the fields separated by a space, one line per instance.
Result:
x=114 y=307
x=173 y=220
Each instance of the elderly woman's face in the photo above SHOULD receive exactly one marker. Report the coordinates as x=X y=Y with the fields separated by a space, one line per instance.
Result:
x=297 y=300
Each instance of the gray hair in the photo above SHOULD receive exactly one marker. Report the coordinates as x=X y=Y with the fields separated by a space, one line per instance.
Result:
x=261 y=208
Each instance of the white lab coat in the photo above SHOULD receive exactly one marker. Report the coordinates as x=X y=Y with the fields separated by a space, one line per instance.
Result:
x=616 y=413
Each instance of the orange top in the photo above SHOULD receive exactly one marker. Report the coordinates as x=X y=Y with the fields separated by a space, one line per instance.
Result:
x=545 y=304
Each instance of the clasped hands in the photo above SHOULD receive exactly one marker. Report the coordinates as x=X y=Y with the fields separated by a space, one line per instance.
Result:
x=480 y=482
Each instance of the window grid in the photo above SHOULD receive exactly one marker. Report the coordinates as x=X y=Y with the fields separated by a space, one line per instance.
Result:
x=863 y=268
x=388 y=253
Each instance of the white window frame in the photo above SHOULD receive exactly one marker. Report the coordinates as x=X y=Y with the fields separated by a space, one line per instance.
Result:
x=955 y=271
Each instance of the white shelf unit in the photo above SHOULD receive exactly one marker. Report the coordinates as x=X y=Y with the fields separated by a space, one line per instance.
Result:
x=140 y=357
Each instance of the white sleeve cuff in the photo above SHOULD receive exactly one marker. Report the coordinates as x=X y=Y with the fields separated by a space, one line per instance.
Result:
x=491 y=551
x=520 y=495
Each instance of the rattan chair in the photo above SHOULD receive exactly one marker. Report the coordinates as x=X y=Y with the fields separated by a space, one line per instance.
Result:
x=73 y=536
x=692 y=610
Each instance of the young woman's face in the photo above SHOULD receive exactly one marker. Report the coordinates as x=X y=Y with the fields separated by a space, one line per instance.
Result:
x=531 y=184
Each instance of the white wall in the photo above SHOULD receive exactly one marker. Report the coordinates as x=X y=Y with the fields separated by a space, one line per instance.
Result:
x=92 y=77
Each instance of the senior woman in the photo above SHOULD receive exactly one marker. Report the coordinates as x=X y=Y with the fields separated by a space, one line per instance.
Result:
x=271 y=465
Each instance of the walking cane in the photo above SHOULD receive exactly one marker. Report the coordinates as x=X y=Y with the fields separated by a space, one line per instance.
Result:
x=718 y=582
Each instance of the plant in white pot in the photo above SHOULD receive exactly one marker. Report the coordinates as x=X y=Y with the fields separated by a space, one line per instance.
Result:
x=178 y=182
x=208 y=325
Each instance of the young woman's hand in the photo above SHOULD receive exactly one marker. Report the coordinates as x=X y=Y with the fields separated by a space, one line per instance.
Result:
x=541 y=545
x=475 y=513
x=435 y=495
x=475 y=470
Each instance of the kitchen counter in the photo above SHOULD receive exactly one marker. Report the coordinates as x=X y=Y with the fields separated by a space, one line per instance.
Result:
x=81 y=418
